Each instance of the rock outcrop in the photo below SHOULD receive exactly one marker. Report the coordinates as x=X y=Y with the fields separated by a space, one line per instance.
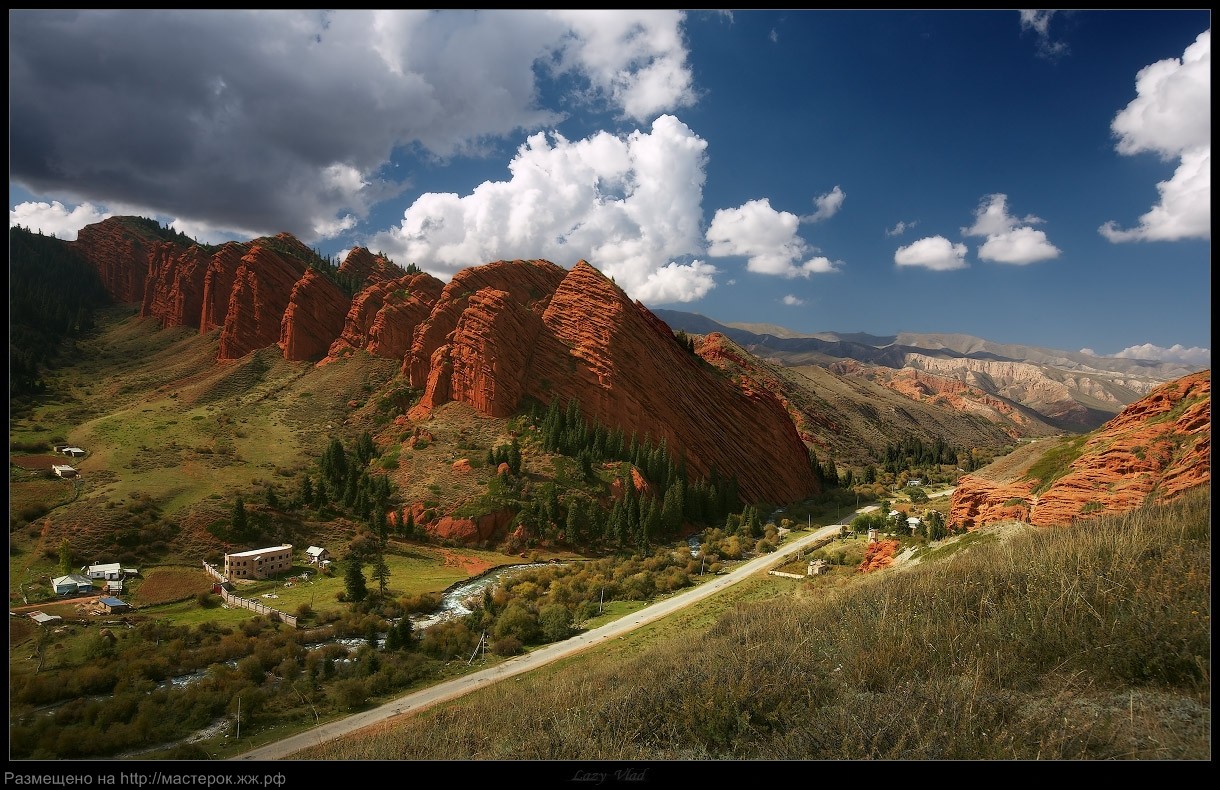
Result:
x=314 y=316
x=261 y=292
x=383 y=317
x=516 y=329
x=1154 y=450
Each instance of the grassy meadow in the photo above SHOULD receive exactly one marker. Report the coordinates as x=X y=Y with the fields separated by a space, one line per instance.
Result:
x=1089 y=642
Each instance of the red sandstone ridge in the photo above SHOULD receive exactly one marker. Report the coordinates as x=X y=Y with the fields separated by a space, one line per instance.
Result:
x=261 y=291
x=313 y=318
x=383 y=317
x=516 y=329
x=1154 y=450
x=364 y=267
x=121 y=250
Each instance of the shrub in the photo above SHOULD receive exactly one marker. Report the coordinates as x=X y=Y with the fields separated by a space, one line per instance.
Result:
x=507 y=646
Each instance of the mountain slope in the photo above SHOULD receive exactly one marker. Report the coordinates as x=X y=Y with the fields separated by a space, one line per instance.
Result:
x=1155 y=450
x=497 y=337
x=1068 y=391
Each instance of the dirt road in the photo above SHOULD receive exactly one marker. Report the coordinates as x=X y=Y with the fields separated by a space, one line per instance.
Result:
x=417 y=701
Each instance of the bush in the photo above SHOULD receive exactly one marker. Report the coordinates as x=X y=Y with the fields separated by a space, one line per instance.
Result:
x=507 y=646
x=207 y=600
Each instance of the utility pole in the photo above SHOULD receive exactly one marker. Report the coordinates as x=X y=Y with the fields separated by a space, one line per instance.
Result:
x=602 y=601
x=239 y=717
x=482 y=644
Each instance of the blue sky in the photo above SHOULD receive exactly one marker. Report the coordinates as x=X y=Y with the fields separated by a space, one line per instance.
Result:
x=1031 y=177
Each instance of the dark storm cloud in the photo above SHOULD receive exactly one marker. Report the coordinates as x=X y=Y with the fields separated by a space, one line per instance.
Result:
x=261 y=121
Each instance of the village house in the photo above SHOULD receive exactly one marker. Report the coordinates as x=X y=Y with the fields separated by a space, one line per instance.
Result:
x=72 y=584
x=259 y=563
x=108 y=571
x=817 y=568
x=913 y=522
x=317 y=555
x=75 y=452
x=113 y=605
x=63 y=470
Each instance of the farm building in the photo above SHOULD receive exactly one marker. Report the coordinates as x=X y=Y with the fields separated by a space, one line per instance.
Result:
x=109 y=571
x=259 y=563
x=75 y=452
x=63 y=470
x=45 y=619
x=72 y=584
x=114 y=586
x=113 y=605
x=818 y=567
x=317 y=555
x=913 y=522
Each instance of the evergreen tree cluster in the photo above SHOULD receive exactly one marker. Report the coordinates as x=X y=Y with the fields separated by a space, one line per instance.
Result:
x=344 y=480
x=53 y=292
x=911 y=452
x=637 y=519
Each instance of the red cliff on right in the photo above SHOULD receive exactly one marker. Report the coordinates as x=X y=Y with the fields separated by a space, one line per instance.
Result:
x=1157 y=448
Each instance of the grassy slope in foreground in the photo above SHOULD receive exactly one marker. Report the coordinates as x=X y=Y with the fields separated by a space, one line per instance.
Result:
x=1089 y=642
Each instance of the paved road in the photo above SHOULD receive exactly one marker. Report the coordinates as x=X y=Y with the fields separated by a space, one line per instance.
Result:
x=450 y=689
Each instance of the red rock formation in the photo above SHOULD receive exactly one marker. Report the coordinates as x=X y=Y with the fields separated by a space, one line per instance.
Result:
x=949 y=392
x=529 y=284
x=120 y=250
x=383 y=317
x=260 y=296
x=1154 y=450
x=218 y=285
x=641 y=485
x=366 y=268
x=313 y=318
x=490 y=527
x=529 y=328
x=878 y=555
x=173 y=289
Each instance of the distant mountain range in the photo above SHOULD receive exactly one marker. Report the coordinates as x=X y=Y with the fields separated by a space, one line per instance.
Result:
x=1069 y=390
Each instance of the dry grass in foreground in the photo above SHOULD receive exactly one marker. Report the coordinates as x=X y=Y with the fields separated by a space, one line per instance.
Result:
x=1090 y=642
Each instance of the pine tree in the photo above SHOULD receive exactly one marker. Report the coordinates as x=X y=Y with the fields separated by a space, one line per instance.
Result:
x=239 y=523
x=381 y=572
x=353 y=580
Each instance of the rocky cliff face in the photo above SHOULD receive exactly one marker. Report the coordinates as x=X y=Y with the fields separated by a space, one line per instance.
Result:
x=363 y=266
x=121 y=257
x=1156 y=448
x=258 y=293
x=513 y=329
x=173 y=288
x=314 y=316
x=261 y=292
x=383 y=317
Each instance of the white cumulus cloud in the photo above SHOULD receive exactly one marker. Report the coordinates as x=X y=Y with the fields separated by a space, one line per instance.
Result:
x=767 y=238
x=1171 y=117
x=934 y=252
x=827 y=205
x=1009 y=239
x=54 y=218
x=630 y=205
x=1201 y=357
x=793 y=301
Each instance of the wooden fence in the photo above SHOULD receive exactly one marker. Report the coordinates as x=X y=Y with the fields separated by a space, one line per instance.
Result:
x=245 y=603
